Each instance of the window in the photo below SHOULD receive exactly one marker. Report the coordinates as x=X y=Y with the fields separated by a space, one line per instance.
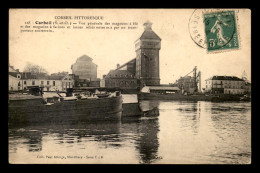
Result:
x=42 y=82
x=53 y=83
x=48 y=82
x=33 y=82
x=24 y=82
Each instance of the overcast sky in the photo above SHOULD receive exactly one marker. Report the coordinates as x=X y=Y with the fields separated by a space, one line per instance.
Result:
x=179 y=54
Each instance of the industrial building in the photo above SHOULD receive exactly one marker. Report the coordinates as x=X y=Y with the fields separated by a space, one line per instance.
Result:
x=141 y=70
x=190 y=84
x=85 y=68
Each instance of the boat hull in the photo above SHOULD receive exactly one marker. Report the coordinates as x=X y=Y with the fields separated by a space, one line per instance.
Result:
x=33 y=111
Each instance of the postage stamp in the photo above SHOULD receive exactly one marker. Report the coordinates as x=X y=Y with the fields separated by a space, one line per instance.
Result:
x=221 y=31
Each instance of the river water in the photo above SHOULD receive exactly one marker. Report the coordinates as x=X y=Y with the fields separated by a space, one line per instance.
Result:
x=183 y=133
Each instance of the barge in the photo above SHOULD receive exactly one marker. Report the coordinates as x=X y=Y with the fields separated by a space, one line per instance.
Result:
x=24 y=108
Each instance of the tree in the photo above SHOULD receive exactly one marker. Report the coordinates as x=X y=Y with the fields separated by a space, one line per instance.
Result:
x=34 y=69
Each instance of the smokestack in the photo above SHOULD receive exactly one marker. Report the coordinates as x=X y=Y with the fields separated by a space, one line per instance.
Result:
x=118 y=65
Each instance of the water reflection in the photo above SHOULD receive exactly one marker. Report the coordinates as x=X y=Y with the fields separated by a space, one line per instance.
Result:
x=184 y=132
x=31 y=138
x=190 y=115
x=140 y=133
x=148 y=143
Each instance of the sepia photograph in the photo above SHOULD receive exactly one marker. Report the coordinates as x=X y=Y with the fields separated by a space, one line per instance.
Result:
x=129 y=86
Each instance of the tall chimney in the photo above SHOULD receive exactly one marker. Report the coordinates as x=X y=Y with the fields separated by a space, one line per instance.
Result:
x=118 y=65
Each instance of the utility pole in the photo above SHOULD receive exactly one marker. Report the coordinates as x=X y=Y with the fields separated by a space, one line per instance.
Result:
x=195 y=78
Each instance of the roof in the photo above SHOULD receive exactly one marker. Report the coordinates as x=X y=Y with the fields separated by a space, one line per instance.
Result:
x=118 y=73
x=84 y=58
x=11 y=69
x=149 y=34
x=131 y=61
x=14 y=74
x=44 y=76
x=234 y=78
x=163 y=88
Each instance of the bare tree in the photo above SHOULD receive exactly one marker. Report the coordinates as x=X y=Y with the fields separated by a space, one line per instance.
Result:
x=34 y=69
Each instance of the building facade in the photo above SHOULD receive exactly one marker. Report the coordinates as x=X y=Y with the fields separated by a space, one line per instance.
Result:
x=225 y=85
x=147 y=49
x=14 y=83
x=48 y=82
x=186 y=84
x=141 y=71
x=14 y=79
x=120 y=79
x=84 y=83
x=85 y=68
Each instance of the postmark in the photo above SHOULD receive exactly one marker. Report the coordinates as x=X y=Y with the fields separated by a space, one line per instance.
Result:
x=196 y=27
x=201 y=22
x=221 y=31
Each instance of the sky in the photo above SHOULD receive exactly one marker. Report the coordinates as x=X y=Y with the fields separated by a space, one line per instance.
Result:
x=58 y=50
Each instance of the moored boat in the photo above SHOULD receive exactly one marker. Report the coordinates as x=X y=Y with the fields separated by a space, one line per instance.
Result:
x=32 y=109
x=131 y=107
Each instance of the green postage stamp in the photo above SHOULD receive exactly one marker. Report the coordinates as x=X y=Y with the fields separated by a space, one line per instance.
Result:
x=221 y=31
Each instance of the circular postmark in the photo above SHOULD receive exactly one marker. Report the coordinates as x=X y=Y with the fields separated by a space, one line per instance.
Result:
x=196 y=28
x=212 y=29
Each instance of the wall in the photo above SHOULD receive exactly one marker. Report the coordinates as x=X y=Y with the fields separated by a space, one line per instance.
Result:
x=125 y=83
x=13 y=84
x=229 y=86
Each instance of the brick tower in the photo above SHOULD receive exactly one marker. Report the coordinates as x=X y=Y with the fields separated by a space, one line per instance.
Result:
x=147 y=49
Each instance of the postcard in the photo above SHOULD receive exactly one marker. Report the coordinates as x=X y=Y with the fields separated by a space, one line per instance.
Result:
x=129 y=86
